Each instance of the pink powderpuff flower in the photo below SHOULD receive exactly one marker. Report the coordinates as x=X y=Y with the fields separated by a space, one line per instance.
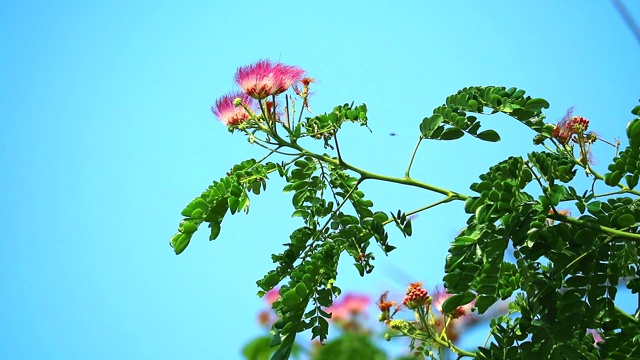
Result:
x=272 y=295
x=563 y=131
x=351 y=304
x=439 y=298
x=264 y=78
x=232 y=115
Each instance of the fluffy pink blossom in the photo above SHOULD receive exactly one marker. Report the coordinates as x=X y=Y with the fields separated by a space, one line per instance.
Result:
x=272 y=295
x=265 y=78
x=267 y=317
x=230 y=114
x=571 y=125
x=441 y=295
x=350 y=304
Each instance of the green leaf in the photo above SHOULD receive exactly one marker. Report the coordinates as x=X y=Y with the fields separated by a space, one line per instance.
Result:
x=233 y=204
x=291 y=299
x=594 y=207
x=299 y=185
x=407 y=228
x=614 y=179
x=188 y=226
x=301 y=290
x=577 y=281
x=464 y=240
x=215 y=230
x=429 y=124
x=483 y=303
x=489 y=135
x=258 y=349
x=584 y=237
x=197 y=203
x=536 y=105
x=380 y=216
x=179 y=242
x=300 y=213
x=451 y=133
x=625 y=220
x=455 y=301
x=298 y=198
x=632 y=180
x=301 y=164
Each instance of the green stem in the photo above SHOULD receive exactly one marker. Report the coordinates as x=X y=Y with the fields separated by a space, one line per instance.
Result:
x=434 y=204
x=413 y=155
x=321 y=231
x=260 y=142
x=594 y=226
x=301 y=111
x=626 y=315
x=286 y=107
x=620 y=192
x=486 y=341
x=346 y=198
x=264 y=113
x=273 y=100
x=335 y=139
x=269 y=154
x=600 y=177
x=542 y=187
x=426 y=337
x=444 y=329
x=422 y=318
x=455 y=349
x=369 y=175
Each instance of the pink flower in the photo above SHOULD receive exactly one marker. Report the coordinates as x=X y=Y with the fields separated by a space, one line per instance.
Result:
x=272 y=295
x=350 y=304
x=264 y=78
x=441 y=295
x=571 y=125
x=230 y=114
x=596 y=336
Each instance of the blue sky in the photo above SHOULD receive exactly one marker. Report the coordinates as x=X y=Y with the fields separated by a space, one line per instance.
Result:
x=106 y=134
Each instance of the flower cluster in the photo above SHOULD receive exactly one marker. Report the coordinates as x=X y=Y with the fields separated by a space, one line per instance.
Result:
x=416 y=296
x=573 y=130
x=258 y=81
x=567 y=127
x=429 y=323
x=578 y=124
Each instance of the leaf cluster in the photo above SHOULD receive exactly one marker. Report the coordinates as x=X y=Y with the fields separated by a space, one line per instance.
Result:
x=561 y=273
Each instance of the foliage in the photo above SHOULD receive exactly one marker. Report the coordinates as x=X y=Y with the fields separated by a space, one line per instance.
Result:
x=566 y=270
x=355 y=336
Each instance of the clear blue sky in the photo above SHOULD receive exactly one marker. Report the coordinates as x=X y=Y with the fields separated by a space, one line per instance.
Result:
x=106 y=134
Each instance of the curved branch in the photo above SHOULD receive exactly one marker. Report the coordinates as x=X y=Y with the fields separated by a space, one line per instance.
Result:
x=594 y=226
